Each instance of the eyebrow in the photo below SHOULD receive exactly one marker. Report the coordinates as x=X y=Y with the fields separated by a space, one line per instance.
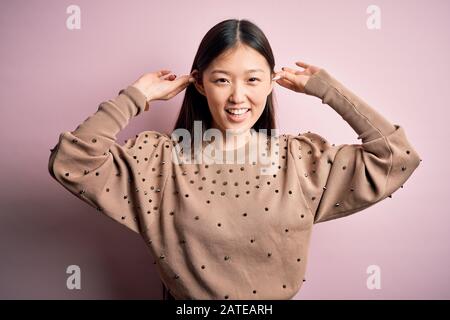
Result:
x=248 y=71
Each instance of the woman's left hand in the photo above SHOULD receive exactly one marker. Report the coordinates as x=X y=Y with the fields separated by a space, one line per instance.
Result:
x=296 y=79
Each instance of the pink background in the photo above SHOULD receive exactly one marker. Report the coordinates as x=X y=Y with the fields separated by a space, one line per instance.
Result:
x=53 y=78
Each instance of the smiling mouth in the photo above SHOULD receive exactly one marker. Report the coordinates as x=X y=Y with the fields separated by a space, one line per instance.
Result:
x=237 y=111
x=238 y=115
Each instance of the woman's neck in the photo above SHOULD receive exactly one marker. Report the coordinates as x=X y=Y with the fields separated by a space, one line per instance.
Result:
x=232 y=140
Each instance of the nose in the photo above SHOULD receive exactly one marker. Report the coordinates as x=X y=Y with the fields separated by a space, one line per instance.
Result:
x=238 y=95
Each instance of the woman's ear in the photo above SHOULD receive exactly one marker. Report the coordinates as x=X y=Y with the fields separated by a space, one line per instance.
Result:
x=198 y=82
x=199 y=88
x=272 y=83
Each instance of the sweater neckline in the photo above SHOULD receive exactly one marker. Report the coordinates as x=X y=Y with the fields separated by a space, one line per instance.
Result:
x=230 y=154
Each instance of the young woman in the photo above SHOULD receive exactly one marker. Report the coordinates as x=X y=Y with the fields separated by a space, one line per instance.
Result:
x=239 y=229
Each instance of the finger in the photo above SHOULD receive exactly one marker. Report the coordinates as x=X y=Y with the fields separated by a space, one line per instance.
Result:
x=178 y=89
x=302 y=64
x=166 y=76
x=289 y=70
x=163 y=72
x=289 y=76
x=286 y=83
x=293 y=71
x=170 y=77
x=184 y=79
x=185 y=83
x=276 y=75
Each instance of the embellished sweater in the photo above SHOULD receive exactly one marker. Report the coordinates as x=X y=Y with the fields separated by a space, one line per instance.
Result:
x=227 y=230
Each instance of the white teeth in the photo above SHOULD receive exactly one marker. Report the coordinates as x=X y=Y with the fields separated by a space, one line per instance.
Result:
x=237 y=111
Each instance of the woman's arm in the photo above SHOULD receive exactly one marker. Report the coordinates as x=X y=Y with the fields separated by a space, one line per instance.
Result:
x=94 y=167
x=344 y=179
x=124 y=182
x=366 y=121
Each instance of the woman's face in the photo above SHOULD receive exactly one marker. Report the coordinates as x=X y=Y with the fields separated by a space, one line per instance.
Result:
x=236 y=85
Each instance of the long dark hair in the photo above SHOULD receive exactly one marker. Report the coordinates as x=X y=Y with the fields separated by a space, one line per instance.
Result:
x=223 y=36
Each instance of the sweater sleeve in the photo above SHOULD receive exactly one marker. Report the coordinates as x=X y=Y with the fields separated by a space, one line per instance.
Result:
x=124 y=182
x=341 y=180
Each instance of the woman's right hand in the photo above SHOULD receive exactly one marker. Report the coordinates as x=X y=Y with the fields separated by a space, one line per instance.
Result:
x=161 y=85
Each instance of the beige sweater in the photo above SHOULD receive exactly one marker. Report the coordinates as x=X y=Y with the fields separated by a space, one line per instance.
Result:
x=226 y=231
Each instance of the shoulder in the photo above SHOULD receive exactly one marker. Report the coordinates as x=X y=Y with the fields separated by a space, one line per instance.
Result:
x=307 y=137
x=309 y=143
x=154 y=135
x=149 y=138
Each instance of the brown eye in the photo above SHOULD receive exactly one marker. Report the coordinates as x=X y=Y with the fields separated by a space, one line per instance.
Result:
x=216 y=81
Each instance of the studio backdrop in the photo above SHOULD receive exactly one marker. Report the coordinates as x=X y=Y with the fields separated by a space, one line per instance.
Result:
x=61 y=59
